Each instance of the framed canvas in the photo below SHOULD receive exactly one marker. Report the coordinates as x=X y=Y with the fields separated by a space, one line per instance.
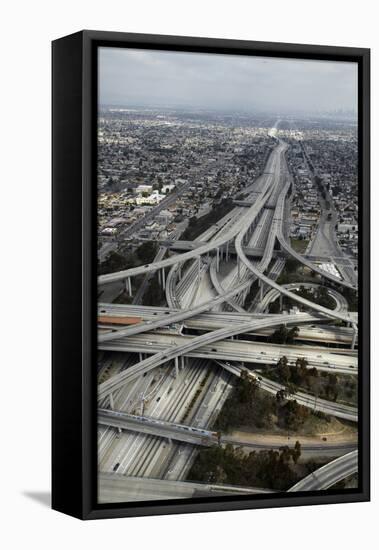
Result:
x=210 y=275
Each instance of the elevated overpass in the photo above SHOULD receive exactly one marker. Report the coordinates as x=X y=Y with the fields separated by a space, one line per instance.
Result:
x=259 y=353
x=312 y=402
x=106 y=388
x=211 y=320
x=208 y=438
x=329 y=475
x=115 y=488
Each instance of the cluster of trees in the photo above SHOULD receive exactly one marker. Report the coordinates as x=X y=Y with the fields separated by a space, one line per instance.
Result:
x=146 y=252
x=291 y=415
x=351 y=297
x=247 y=405
x=118 y=262
x=319 y=295
x=283 y=335
x=196 y=226
x=290 y=273
x=321 y=384
x=270 y=469
x=154 y=295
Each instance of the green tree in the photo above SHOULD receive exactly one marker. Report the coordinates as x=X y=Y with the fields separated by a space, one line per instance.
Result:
x=292 y=334
x=279 y=336
x=294 y=415
x=146 y=252
x=283 y=370
x=296 y=453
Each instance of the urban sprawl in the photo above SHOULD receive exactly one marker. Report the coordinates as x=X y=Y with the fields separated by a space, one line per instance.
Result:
x=227 y=303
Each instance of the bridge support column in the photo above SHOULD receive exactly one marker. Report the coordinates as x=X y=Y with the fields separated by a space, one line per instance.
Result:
x=260 y=290
x=163 y=279
x=281 y=302
x=198 y=269
x=217 y=259
x=239 y=267
x=227 y=251
x=111 y=402
x=176 y=367
x=128 y=286
x=182 y=361
x=140 y=357
x=354 y=338
x=159 y=278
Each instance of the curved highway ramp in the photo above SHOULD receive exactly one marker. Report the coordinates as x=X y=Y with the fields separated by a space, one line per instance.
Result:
x=119 y=488
x=330 y=474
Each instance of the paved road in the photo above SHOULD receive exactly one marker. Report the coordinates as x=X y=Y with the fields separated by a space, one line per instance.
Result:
x=238 y=230
x=204 y=437
x=117 y=381
x=347 y=317
x=212 y=320
x=324 y=359
x=314 y=403
x=330 y=474
x=119 y=488
x=273 y=294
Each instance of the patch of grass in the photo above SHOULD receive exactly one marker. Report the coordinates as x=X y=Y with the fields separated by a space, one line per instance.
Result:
x=299 y=245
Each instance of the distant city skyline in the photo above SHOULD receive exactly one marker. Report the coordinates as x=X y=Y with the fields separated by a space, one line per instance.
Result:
x=224 y=82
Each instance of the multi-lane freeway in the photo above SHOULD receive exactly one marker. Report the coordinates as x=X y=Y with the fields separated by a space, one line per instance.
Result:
x=174 y=351
x=259 y=353
x=114 y=487
x=212 y=320
x=206 y=288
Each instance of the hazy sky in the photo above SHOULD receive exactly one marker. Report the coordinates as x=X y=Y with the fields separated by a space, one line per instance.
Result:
x=159 y=78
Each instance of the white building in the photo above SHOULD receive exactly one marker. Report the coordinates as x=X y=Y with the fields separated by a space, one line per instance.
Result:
x=143 y=189
x=154 y=198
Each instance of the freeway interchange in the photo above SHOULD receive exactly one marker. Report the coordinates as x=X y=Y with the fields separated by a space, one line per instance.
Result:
x=208 y=325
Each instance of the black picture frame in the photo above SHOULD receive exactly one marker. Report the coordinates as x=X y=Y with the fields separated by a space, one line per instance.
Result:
x=74 y=110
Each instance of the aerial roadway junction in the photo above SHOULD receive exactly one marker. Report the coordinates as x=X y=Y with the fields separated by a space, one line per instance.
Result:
x=175 y=365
